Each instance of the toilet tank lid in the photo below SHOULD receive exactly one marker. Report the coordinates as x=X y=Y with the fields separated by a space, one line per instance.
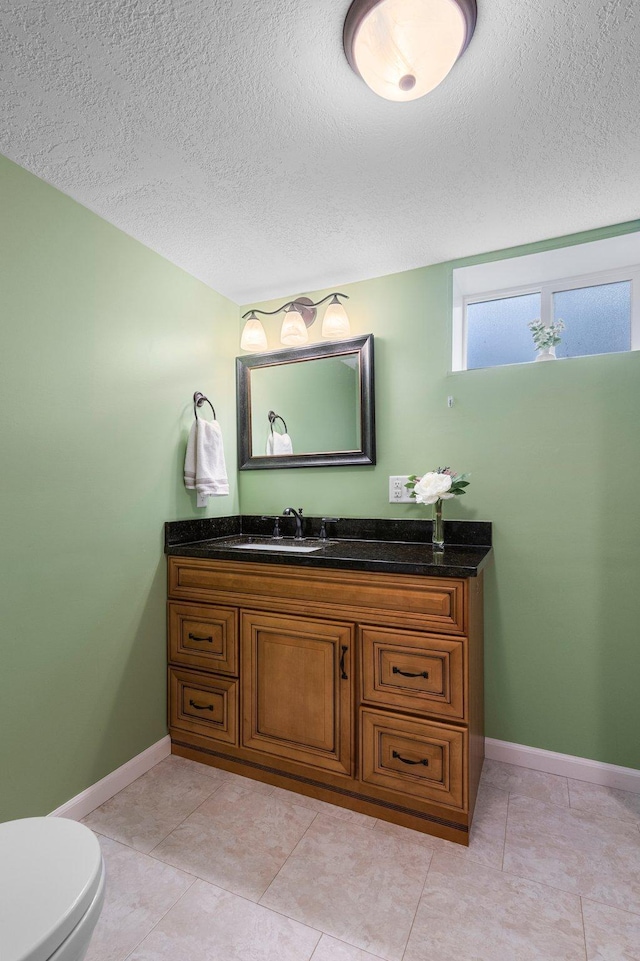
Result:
x=50 y=870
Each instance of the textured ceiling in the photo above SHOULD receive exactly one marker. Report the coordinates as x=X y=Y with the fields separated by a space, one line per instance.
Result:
x=233 y=138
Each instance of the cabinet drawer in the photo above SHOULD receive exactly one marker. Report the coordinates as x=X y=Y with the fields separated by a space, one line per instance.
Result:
x=413 y=672
x=438 y=601
x=204 y=637
x=419 y=758
x=204 y=705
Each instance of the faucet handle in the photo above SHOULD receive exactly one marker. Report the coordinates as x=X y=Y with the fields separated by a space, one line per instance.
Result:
x=323 y=526
x=277 y=536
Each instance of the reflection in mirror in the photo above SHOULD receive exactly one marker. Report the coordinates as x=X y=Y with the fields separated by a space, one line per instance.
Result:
x=307 y=407
x=317 y=403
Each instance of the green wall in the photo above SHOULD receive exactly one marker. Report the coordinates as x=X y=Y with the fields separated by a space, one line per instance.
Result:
x=103 y=344
x=554 y=453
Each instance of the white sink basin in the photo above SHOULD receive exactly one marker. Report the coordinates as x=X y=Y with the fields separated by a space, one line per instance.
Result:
x=287 y=548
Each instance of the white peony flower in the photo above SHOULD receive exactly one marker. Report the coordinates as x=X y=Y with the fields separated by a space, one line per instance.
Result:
x=432 y=487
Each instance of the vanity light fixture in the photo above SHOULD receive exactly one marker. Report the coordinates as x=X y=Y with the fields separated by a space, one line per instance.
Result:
x=403 y=49
x=253 y=336
x=294 y=331
x=335 y=323
x=299 y=316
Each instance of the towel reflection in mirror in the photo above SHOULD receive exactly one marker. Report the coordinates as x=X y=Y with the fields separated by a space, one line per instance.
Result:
x=278 y=444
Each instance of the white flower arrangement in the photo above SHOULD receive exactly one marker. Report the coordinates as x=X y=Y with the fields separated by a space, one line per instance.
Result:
x=438 y=485
x=546 y=336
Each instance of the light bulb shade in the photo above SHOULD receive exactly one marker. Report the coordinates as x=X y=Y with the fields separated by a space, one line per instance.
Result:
x=403 y=49
x=335 y=323
x=253 y=336
x=293 y=331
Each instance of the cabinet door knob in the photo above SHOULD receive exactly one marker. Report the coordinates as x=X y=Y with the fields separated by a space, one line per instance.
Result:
x=343 y=673
x=397 y=670
x=201 y=707
x=194 y=637
x=405 y=760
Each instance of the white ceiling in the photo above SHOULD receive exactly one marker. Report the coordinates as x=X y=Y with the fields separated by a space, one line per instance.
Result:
x=232 y=136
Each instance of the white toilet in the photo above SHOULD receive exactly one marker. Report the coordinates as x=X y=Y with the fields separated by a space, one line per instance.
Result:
x=52 y=882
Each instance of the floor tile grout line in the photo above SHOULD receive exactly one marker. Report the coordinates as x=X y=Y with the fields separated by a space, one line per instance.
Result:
x=316 y=945
x=578 y=812
x=609 y=817
x=574 y=807
x=186 y=818
x=376 y=957
x=127 y=843
x=506 y=827
x=584 y=929
x=153 y=857
x=151 y=930
x=290 y=854
x=415 y=914
x=586 y=897
x=607 y=904
x=217 y=884
x=520 y=792
x=328 y=933
x=220 y=887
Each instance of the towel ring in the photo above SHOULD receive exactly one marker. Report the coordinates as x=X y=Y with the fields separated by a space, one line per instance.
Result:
x=273 y=417
x=198 y=400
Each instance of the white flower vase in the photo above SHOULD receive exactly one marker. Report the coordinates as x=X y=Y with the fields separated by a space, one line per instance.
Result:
x=546 y=353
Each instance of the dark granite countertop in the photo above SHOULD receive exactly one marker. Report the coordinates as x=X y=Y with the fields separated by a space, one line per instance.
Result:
x=385 y=546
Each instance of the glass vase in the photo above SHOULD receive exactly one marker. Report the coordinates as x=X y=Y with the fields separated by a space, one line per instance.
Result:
x=437 y=536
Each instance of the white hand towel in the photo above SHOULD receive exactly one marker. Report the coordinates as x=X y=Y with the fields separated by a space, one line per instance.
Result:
x=278 y=445
x=204 y=466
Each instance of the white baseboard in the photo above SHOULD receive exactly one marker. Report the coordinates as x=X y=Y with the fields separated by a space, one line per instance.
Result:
x=82 y=804
x=579 y=768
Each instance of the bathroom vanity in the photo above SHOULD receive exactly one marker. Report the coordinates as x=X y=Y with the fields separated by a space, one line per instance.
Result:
x=351 y=673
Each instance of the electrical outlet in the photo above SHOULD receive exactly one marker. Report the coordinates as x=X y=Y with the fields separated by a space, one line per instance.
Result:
x=398 y=493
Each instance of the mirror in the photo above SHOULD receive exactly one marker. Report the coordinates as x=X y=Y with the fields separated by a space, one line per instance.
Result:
x=307 y=406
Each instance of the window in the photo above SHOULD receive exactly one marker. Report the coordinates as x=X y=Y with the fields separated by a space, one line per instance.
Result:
x=600 y=309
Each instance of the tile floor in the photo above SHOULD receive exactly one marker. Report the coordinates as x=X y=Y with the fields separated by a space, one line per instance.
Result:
x=208 y=866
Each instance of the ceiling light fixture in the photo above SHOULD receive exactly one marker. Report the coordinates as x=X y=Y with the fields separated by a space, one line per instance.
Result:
x=403 y=49
x=299 y=316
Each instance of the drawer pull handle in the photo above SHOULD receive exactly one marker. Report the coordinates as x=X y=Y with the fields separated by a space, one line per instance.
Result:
x=343 y=673
x=424 y=674
x=406 y=760
x=201 y=707
x=194 y=637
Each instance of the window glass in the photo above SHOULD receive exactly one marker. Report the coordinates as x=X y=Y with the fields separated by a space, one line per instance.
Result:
x=497 y=331
x=597 y=320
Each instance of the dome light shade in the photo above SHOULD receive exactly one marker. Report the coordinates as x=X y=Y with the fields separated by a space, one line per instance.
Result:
x=294 y=331
x=253 y=336
x=336 y=321
x=403 y=49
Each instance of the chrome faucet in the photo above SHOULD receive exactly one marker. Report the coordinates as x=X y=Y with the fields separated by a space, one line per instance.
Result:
x=289 y=511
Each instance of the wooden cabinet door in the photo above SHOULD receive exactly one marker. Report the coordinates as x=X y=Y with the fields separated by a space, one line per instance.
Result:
x=297 y=689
